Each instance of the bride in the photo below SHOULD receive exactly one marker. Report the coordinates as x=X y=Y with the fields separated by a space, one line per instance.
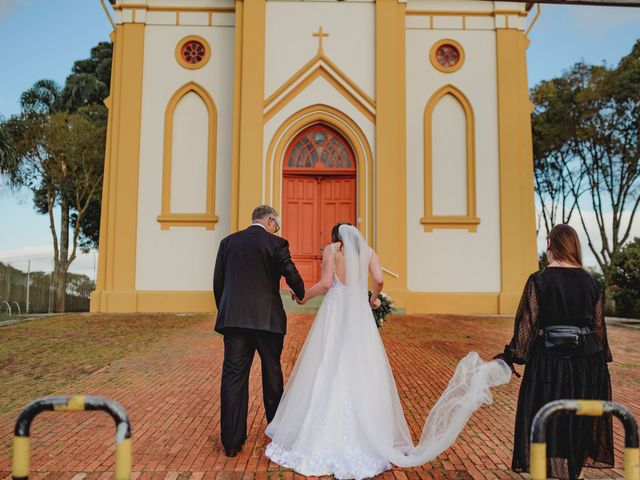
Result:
x=340 y=413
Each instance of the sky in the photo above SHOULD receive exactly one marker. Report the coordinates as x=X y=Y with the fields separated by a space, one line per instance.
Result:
x=47 y=36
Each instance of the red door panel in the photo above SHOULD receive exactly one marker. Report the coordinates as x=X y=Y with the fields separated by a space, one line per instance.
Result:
x=299 y=219
x=337 y=203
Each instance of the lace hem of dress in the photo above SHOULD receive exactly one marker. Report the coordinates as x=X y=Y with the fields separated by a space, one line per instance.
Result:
x=342 y=465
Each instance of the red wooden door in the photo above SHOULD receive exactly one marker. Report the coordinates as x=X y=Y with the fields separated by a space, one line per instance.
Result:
x=311 y=207
x=337 y=203
x=299 y=221
x=319 y=189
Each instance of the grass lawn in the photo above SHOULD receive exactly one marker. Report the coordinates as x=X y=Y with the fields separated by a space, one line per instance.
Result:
x=41 y=357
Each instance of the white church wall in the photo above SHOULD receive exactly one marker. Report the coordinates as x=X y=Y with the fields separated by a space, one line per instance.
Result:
x=350 y=44
x=450 y=5
x=485 y=15
x=320 y=91
x=182 y=258
x=452 y=260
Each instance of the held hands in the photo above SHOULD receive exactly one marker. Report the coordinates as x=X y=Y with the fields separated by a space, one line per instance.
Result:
x=297 y=300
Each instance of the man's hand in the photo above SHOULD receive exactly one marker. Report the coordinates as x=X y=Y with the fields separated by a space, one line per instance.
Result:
x=297 y=300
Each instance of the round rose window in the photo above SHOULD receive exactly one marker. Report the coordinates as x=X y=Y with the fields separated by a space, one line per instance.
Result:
x=447 y=55
x=193 y=52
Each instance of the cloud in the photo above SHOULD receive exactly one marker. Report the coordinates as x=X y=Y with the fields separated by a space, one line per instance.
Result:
x=6 y=6
x=29 y=251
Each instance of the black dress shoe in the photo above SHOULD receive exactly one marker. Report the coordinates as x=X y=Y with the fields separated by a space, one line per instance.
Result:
x=231 y=452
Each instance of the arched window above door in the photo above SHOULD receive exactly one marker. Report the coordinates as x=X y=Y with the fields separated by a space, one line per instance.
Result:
x=319 y=147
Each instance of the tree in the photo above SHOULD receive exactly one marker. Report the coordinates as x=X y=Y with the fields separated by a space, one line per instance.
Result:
x=606 y=146
x=89 y=84
x=43 y=97
x=8 y=155
x=97 y=65
x=61 y=160
x=55 y=147
x=556 y=175
x=586 y=130
x=626 y=280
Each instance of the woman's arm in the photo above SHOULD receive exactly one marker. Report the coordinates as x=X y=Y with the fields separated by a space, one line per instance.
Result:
x=376 y=275
x=326 y=278
x=525 y=325
x=525 y=328
x=600 y=327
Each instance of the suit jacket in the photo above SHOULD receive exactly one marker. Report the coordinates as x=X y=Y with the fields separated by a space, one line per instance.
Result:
x=246 y=281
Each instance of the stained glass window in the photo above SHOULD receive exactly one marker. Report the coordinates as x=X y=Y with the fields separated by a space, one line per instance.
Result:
x=320 y=147
x=447 y=55
x=193 y=52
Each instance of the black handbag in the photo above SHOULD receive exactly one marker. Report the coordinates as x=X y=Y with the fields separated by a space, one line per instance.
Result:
x=564 y=337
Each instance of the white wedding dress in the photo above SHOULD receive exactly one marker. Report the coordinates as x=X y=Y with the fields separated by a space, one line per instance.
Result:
x=340 y=413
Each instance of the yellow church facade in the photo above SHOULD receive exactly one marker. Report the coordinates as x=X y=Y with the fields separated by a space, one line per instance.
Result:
x=411 y=119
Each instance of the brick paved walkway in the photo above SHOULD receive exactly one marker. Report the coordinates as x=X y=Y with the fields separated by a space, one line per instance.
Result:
x=171 y=394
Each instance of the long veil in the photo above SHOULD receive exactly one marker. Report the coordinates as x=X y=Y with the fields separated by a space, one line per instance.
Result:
x=373 y=387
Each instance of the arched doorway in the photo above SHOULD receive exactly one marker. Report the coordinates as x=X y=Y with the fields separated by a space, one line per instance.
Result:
x=319 y=189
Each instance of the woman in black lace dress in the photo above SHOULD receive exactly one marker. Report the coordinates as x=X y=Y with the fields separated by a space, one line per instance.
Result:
x=562 y=294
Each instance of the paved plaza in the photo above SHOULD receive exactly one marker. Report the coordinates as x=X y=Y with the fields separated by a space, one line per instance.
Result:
x=170 y=390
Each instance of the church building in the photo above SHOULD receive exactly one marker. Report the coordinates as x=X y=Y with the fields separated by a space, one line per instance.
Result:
x=408 y=118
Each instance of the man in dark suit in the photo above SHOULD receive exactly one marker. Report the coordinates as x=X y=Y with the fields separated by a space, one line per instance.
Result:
x=246 y=285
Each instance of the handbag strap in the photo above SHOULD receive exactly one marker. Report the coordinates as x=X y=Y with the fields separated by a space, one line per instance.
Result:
x=581 y=330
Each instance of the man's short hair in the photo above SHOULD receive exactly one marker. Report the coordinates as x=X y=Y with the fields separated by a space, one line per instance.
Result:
x=263 y=211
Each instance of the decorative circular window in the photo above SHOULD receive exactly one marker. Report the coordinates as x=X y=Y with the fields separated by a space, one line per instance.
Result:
x=193 y=52
x=447 y=55
x=319 y=147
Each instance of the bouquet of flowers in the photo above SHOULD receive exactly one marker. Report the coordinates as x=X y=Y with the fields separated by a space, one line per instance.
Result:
x=385 y=309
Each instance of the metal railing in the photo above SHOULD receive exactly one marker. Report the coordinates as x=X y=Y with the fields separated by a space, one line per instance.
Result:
x=591 y=408
x=78 y=403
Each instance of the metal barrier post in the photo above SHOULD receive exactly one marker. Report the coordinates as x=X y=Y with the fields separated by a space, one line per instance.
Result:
x=76 y=403
x=592 y=408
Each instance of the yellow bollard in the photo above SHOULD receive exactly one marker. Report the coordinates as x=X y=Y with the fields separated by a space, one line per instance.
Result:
x=20 y=457
x=592 y=408
x=123 y=460
x=538 y=465
x=632 y=464
x=77 y=403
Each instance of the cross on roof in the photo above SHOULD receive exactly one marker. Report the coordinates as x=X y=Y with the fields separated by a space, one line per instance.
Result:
x=320 y=34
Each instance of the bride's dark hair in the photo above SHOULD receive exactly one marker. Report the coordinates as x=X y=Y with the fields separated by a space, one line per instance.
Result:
x=335 y=233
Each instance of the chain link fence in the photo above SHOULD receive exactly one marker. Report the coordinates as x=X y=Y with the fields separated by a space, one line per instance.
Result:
x=27 y=285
